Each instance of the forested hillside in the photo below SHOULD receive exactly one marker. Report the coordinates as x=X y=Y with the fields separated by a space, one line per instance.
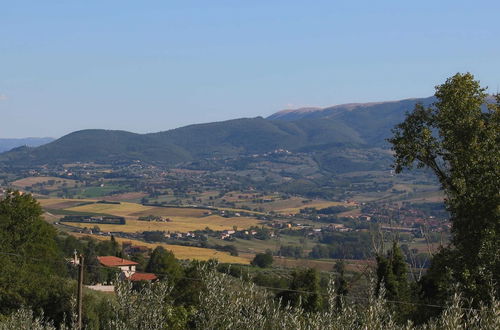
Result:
x=363 y=126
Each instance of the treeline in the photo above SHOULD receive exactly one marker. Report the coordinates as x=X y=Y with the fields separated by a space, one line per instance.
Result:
x=350 y=245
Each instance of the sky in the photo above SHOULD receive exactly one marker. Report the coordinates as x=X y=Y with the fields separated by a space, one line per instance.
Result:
x=148 y=66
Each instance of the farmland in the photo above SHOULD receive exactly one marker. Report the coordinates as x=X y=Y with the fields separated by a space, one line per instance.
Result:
x=276 y=203
x=178 y=224
x=181 y=252
x=319 y=204
x=182 y=219
x=204 y=213
x=50 y=182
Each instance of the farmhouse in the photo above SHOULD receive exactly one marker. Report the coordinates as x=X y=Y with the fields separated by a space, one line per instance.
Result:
x=127 y=268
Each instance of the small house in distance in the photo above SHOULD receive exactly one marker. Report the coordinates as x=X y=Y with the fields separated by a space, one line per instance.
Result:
x=111 y=220
x=127 y=268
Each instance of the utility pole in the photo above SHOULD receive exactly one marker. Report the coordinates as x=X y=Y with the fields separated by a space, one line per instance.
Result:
x=80 y=292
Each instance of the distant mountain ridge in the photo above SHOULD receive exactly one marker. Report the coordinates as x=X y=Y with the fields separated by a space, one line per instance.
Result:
x=331 y=111
x=365 y=125
x=8 y=144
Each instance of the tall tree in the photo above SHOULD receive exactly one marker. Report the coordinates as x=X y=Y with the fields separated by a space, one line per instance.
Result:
x=31 y=263
x=341 y=286
x=392 y=273
x=263 y=260
x=164 y=264
x=458 y=138
x=304 y=290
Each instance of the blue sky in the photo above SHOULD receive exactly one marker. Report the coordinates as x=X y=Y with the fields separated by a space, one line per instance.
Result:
x=146 y=66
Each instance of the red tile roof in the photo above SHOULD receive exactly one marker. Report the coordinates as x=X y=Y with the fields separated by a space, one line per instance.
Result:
x=110 y=261
x=142 y=277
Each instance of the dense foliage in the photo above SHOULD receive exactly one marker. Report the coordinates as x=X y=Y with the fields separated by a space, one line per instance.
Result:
x=351 y=245
x=32 y=271
x=459 y=140
x=229 y=303
x=263 y=260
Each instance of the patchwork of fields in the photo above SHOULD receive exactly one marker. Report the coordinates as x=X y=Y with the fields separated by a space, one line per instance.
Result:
x=182 y=219
x=180 y=252
x=52 y=182
x=316 y=204
x=178 y=224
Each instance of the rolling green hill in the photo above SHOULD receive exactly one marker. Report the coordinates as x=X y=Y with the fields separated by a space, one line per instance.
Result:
x=98 y=146
x=229 y=138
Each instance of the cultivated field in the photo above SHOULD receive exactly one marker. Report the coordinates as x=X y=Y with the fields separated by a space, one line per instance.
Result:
x=30 y=181
x=122 y=209
x=128 y=197
x=183 y=219
x=181 y=252
x=294 y=205
x=178 y=224
x=59 y=203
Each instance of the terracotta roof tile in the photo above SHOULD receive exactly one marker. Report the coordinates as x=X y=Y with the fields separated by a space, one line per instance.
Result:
x=110 y=261
x=142 y=277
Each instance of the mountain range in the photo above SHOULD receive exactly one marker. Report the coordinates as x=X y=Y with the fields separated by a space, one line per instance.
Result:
x=8 y=144
x=357 y=125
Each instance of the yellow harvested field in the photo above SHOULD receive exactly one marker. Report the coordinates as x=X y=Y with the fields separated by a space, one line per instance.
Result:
x=182 y=252
x=29 y=181
x=172 y=212
x=135 y=210
x=178 y=224
x=122 y=209
x=183 y=219
x=238 y=210
x=60 y=203
x=293 y=204
x=318 y=205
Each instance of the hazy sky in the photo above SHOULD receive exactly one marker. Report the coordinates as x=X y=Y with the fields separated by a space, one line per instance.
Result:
x=147 y=66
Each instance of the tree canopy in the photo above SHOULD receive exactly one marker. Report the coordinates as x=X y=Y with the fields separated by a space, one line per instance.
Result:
x=30 y=260
x=164 y=264
x=262 y=260
x=458 y=138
